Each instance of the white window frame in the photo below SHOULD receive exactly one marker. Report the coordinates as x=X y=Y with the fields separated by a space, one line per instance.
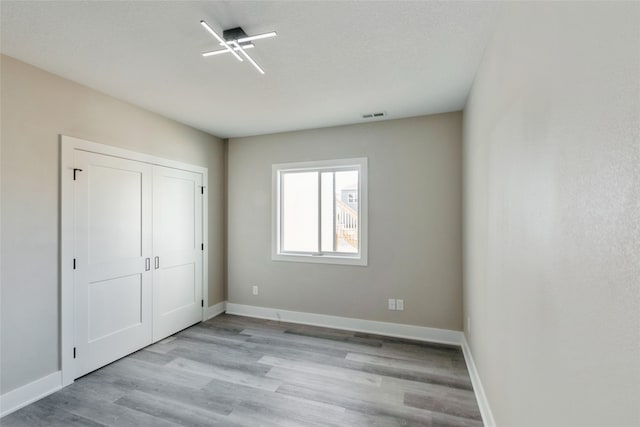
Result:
x=358 y=259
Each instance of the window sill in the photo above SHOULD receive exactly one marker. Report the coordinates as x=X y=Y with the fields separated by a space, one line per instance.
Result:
x=359 y=261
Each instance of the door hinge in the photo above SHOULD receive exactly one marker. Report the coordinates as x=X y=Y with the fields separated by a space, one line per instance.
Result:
x=202 y=246
x=74 y=352
x=74 y=172
x=74 y=263
x=201 y=303
x=202 y=189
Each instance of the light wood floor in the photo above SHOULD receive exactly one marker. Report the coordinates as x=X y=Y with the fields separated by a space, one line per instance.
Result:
x=238 y=371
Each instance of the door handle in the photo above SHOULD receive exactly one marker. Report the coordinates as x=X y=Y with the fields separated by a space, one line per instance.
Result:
x=157 y=262
x=147 y=264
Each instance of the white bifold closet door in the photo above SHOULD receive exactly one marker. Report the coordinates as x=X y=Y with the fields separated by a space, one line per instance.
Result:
x=113 y=239
x=177 y=247
x=138 y=256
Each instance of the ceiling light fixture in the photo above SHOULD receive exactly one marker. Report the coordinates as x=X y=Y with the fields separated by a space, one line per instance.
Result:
x=236 y=40
x=248 y=57
x=257 y=37
x=217 y=52
x=225 y=44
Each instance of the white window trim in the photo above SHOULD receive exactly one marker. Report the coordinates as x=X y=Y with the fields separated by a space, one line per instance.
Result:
x=360 y=259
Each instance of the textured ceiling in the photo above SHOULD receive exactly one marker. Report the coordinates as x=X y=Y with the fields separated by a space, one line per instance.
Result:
x=331 y=62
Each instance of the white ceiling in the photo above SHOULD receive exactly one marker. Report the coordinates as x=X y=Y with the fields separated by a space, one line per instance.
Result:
x=331 y=62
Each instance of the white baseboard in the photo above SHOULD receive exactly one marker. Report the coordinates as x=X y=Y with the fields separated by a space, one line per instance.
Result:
x=29 y=393
x=215 y=310
x=481 y=397
x=399 y=330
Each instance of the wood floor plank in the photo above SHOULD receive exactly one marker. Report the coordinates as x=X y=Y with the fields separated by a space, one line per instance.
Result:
x=275 y=408
x=212 y=335
x=445 y=420
x=168 y=409
x=179 y=394
x=333 y=335
x=441 y=403
x=42 y=414
x=449 y=379
x=133 y=368
x=104 y=412
x=273 y=344
x=360 y=419
x=236 y=376
x=239 y=371
x=440 y=366
x=306 y=339
x=409 y=415
x=328 y=371
x=161 y=347
x=408 y=386
x=152 y=357
x=365 y=392
x=214 y=353
x=410 y=365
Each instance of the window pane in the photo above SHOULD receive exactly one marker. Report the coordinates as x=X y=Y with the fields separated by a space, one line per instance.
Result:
x=300 y=211
x=347 y=215
x=327 y=205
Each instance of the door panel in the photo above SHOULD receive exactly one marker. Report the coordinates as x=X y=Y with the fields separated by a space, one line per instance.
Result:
x=113 y=292
x=177 y=239
x=115 y=228
x=176 y=288
x=176 y=220
x=125 y=293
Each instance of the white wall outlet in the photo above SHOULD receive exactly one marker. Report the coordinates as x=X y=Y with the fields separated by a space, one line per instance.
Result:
x=400 y=304
x=255 y=290
x=392 y=304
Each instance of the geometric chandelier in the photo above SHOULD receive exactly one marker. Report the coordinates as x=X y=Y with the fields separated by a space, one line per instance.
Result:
x=235 y=41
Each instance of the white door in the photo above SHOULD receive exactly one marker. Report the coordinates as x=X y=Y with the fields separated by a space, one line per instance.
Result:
x=112 y=276
x=177 y=250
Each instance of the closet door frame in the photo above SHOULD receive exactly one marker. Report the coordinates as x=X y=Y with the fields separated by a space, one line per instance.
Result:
x=68 y=146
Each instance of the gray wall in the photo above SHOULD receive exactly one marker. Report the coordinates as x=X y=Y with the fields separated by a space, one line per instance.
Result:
x=36 y=107
x=415 y=223
x=552 y=215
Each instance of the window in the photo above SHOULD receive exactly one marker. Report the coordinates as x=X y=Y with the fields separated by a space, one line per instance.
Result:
x=320 y=212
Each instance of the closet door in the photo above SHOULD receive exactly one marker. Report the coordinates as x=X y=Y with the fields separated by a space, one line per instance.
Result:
x=177 y=240
x=113 y=278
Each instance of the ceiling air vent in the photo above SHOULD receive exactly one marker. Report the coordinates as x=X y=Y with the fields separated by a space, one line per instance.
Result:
x=374 y=115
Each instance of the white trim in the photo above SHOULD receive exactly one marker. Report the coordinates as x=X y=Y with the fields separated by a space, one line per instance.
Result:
x=481 y=397
x=205 y=242
x=67 y=304
x=360 y=259
x=29 y=393
x=399 y=330
x=109 y=150
x=67 y=245
x=215 y=310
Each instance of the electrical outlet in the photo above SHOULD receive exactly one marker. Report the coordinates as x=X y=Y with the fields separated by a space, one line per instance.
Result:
x=392 y=304
x=255 y=290
x=400 y=304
